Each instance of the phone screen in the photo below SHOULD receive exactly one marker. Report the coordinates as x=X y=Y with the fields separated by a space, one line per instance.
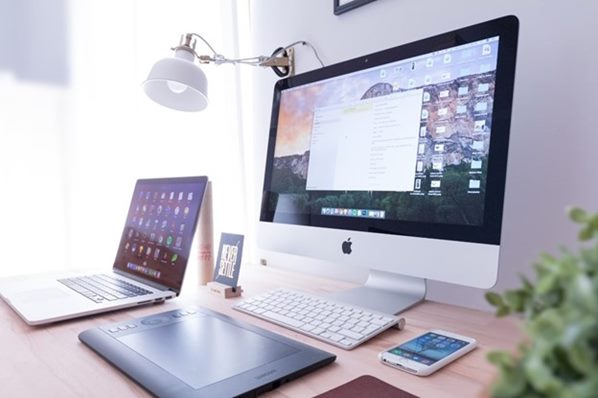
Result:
x=428 y=348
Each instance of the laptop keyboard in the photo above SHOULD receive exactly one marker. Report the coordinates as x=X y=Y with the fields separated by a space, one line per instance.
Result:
x=103 y=288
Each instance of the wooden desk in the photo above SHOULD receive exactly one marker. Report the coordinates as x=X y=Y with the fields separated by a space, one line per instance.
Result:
x=50 y=360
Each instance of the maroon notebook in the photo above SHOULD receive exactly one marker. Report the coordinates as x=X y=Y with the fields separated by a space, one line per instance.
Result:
x=366 y=386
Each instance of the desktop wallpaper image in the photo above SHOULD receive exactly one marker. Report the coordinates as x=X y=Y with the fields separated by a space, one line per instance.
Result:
x=455 y=131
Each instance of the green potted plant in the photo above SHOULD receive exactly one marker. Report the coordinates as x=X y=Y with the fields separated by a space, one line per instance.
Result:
x=559 y=357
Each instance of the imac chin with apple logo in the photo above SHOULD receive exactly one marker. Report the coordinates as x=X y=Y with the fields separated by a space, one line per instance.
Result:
x=346 y=246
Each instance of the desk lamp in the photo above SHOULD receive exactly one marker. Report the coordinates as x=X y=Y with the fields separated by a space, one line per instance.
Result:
x=180 y=84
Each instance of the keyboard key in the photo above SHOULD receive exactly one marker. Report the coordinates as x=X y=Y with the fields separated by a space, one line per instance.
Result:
x=317 y=330
x=283 y=319
x=380 y=322
x=348 y=342
x=351 y=334
x=337 y=337
x=371 y=329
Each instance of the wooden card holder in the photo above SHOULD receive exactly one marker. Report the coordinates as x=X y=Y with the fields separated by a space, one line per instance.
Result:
x=224 y=290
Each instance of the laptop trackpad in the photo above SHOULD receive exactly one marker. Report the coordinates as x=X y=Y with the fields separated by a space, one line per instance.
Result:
x=204 y=350
x=40 y=295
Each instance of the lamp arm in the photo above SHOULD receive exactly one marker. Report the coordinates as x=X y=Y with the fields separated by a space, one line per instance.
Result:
x=281 y=58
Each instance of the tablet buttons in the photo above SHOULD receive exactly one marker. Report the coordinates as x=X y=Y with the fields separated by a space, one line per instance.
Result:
x=153 y=321
x=179 y=314
x=122 y=328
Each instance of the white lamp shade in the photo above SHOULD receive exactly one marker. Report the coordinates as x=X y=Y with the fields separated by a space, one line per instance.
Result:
x=178 y=83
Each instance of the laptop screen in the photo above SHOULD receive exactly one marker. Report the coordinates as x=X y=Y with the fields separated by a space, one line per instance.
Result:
x=159 y=230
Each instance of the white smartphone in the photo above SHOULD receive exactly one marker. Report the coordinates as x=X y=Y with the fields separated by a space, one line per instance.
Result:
x=428 y=352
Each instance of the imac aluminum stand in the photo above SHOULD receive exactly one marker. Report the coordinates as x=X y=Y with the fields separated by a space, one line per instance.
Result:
x=386 y=292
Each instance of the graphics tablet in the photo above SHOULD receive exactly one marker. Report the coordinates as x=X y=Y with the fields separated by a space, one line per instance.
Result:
x=195 y=352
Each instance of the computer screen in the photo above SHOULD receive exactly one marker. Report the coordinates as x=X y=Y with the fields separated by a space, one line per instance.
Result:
x=411 y=141
x=159 y=229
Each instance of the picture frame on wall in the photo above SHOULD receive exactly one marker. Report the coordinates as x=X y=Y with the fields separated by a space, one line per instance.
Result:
x=341 y=6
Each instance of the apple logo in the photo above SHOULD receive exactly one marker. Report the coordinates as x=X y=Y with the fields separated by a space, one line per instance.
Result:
x=346 y=246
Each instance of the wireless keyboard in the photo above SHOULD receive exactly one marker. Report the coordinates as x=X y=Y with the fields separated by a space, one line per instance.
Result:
x=343 y=325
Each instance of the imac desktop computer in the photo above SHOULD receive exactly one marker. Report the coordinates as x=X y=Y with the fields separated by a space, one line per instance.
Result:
x=396 y=161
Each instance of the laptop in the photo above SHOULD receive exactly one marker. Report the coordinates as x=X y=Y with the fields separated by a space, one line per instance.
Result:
x=150 y=261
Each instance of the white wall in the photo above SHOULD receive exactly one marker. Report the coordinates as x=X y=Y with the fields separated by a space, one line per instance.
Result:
x=554 y=135
x=70 y=154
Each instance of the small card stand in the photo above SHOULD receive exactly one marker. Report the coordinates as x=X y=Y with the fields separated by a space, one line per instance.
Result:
x=223 y=290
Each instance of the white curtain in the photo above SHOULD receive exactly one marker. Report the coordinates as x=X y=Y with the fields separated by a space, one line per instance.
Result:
x=71 y=153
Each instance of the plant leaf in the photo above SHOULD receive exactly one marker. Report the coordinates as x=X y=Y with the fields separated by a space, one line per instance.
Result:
x=503 y=310
x=494 y=298
x=515 y=299
x=586 y=234
x=581 y=358
x=539 y=374
x=547 y=283
x=500 y=358
x=578 y=215
x=511 y=383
